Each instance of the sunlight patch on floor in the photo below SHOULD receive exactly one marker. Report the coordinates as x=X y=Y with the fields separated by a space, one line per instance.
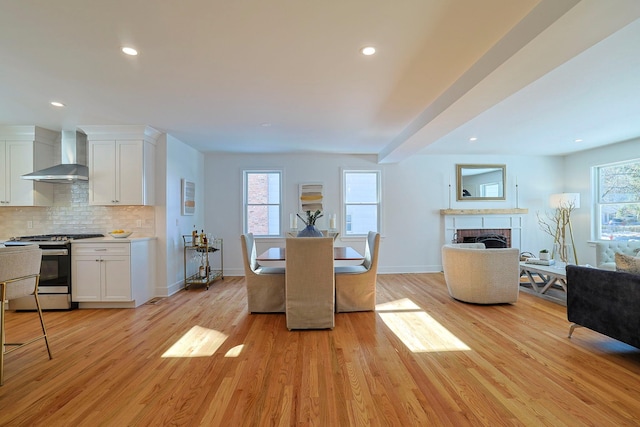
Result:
x=399 y=304
x=197 y=342
x=418 y=331
x=235 y=351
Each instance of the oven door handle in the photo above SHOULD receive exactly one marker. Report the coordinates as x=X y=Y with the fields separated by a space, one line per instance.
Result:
x=54 y=252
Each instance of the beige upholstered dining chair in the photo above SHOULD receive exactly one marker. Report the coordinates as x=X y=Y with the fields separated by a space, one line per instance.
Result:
x=481 y=276
x=19 y=277
x=265 y=285
x=310 y=285
x=356 y=285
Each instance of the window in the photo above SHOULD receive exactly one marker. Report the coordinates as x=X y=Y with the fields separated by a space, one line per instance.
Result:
x=262 y=202
x=618 y=201
x=361 y=199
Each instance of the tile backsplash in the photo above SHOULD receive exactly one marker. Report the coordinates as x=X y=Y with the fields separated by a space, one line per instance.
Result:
x=71 y=213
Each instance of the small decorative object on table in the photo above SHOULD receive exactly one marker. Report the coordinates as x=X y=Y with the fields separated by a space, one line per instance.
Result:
x=525 y=256
x=544 y=255
x=310 y=230
x=120 y=234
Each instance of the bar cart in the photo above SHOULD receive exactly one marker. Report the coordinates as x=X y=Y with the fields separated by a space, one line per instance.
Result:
x=204 y=255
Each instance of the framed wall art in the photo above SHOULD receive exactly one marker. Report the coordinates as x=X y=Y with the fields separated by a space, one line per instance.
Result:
x=188 y=197
x=311 y=197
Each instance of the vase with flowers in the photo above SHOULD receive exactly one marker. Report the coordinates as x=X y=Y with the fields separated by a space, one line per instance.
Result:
x=310 y=229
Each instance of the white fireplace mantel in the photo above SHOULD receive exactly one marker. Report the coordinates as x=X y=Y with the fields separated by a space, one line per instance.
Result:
x=516 y=211
x=460 y=219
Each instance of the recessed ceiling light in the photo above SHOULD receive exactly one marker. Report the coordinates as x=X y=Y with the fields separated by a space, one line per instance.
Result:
x=129 y=51
x=368 y=51
x=578 y=140
x=473 y=139
x=265 y=124
x=57 y=104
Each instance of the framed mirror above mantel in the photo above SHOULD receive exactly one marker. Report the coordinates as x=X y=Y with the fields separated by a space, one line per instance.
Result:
x=480 y=182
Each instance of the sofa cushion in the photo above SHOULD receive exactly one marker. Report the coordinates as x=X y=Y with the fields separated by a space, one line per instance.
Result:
x=606 y=250
x=627 y=263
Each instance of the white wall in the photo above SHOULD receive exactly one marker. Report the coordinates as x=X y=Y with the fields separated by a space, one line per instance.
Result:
x=577 y=178
x=176 y=161
x=414 y=191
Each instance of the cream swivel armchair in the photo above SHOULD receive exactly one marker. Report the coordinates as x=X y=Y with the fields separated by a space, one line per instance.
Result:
x=265 y=285
x=310 y=285
x=481 y=276
x=356 y=285
x=19 y=277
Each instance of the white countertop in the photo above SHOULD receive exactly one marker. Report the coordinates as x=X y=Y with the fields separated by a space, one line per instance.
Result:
x=109 y=239
x=106 y=239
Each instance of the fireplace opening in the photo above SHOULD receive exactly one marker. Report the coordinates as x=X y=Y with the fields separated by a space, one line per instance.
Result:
x=492 y=240
x=498 y=238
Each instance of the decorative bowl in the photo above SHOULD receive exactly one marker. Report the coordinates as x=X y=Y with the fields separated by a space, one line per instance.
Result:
x=121 y=235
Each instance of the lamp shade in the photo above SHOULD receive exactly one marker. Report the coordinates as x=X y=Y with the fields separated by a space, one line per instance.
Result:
x=562 y=200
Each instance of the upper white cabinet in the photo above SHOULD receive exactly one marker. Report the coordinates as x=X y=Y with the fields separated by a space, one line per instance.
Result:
x=25 y=149
x=121 y=164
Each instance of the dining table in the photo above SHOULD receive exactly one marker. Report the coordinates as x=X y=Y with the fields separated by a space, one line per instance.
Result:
x=340 y=253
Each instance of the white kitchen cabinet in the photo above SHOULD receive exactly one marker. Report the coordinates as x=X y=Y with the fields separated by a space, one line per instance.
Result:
x=112 y=274
x=24 y=149
x=121 y=164
x=121 y=172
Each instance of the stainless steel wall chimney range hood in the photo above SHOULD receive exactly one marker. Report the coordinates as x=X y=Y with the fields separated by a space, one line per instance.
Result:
x=72 y=144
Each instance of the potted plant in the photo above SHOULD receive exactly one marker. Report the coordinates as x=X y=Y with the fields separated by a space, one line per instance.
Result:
x=544 y=254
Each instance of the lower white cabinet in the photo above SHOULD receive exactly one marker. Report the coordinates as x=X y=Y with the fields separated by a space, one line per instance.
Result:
x=112 y=275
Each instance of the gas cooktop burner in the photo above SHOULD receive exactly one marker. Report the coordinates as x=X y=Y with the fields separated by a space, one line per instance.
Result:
x=54 y=237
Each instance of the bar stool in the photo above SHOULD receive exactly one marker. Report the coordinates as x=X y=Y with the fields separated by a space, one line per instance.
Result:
x=19 y=277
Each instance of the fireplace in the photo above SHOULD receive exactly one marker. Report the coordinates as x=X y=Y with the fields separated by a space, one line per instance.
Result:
x=492 y=238
x=507 y=224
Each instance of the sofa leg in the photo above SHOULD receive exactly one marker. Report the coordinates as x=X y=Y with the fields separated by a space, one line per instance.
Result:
x=572 y=328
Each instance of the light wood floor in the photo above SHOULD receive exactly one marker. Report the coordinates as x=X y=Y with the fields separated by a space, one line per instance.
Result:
x=421 y=359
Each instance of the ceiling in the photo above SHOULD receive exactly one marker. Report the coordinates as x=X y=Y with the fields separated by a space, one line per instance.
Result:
x=257 y=76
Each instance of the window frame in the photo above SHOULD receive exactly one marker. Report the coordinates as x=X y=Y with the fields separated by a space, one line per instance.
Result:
x=598 y=205
x=345 y=204
x=245 y=204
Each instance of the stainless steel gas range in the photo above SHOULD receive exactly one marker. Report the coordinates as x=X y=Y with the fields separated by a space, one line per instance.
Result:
x=54 y=291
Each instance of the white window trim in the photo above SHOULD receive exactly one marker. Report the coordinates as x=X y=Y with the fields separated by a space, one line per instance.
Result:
x=245 y=172
x=343 y=204
x=596 y=214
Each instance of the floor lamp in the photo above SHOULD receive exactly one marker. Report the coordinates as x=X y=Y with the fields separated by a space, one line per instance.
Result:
x=564 y=203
